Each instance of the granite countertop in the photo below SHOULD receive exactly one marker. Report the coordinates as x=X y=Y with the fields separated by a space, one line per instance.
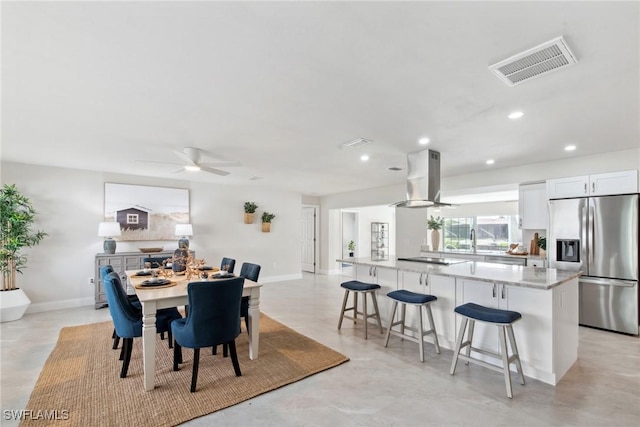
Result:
x=530 y=277
x=487 y=252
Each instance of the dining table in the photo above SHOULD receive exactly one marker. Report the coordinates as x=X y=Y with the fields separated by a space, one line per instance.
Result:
x=174 y=294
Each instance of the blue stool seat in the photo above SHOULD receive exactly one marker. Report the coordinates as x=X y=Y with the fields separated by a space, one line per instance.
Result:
x=503 y=319
x=487 y=314
x=355 y=285
x=409 y=297
x=405 y=298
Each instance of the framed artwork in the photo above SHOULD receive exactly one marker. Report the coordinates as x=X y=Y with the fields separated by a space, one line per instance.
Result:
x=145 y=212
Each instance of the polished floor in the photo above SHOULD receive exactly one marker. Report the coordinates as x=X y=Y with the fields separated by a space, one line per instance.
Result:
x=378 y=386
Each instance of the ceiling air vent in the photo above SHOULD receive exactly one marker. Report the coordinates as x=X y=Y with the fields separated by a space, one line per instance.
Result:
x=358 y=142
x=545 y=58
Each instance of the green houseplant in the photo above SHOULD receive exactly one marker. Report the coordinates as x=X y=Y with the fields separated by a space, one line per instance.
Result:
x=249 y=210
x=435 y=224
x=352 y=247
x=17 y=217
x=266 y=221
x=542 y=244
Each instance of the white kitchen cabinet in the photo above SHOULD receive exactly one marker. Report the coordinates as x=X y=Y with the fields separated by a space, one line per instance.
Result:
x=532 y=206
x=562 y=188
x=387 y=278
x=536 y=262
x=485 y=335
x=603 y=184
x=414 y=282
x=443 y=315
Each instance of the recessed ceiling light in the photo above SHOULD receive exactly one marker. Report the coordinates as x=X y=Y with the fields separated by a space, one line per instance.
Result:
x=516 y=115
x=192 y=168
x=364 y=157
x=490 y=161
x=569 y=148
x=423 y=141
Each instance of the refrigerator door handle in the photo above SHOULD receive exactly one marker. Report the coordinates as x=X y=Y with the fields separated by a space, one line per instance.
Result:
x=584 y=229
x=592 y=230
x=608 y=282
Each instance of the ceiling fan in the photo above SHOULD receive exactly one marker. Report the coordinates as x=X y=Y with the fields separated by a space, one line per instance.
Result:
x=190 y=158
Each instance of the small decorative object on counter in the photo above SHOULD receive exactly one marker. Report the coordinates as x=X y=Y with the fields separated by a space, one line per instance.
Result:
x=352 y=247
x=249 y=210
x=542 y=246
x=266 y=221
x=435 y=224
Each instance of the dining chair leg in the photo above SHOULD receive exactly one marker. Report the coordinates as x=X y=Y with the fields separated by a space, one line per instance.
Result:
x=170 y=336
x=194 y=374
x=121 y=351
x=127 y=345
x=225 y=350
x=177 y=355
x=162 y=335
x=116 y=340
x=214 y=350
x=234 y=357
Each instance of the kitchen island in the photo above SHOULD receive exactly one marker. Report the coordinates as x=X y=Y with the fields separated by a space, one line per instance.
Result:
x=547 y=298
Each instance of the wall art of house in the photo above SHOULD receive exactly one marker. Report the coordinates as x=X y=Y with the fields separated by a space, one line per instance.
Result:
x=133 y=218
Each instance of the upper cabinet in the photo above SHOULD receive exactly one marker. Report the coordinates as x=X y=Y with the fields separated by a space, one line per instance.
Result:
x=602 y=184
x=532 y=206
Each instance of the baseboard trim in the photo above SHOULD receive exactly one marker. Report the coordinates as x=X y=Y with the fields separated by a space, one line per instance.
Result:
x=60 y=305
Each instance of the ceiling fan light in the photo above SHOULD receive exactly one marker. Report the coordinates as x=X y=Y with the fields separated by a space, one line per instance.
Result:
x=192 y=168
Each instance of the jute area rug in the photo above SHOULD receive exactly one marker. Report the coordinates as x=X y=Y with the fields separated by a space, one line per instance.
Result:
x=81 y=379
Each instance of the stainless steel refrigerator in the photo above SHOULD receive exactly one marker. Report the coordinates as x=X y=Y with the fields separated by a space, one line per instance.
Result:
x=599 y=236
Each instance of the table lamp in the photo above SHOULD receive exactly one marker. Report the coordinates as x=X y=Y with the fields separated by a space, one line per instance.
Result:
x=109 y=230
x=184 y=230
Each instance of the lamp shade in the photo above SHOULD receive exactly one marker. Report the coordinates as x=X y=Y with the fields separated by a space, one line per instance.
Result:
x=109 y=229
x=184 y=230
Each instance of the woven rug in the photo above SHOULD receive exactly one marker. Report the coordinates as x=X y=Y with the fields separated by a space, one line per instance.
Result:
x=81 y=379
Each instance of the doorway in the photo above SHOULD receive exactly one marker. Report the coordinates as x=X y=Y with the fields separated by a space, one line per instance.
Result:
x=309 y=241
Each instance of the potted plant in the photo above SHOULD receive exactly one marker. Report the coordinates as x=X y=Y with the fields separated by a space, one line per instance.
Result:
x=266 y=221
x=352 y=247
x=249 y=210
x=17 y=216
x=435 y=224
x=542 y=244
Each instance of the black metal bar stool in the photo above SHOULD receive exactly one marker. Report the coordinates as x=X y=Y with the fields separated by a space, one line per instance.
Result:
x=504 y=320
x=360 y=288
x=417 y=300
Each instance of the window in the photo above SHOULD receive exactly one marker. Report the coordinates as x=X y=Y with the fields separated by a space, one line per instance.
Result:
x=492 y=233
x=132 y=219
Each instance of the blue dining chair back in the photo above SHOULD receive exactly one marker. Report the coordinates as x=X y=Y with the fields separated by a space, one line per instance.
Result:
x=228 y=264
x=251 y=272
x=127 y=317
x=104 y=270
x=213 y=319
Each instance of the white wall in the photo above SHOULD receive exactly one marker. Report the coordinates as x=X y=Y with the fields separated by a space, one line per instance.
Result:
x=70 y=205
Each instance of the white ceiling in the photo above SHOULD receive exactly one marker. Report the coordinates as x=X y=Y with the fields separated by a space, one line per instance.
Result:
x=280 y=85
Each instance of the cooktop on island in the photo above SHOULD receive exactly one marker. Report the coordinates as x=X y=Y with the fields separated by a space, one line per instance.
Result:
x=431 y=260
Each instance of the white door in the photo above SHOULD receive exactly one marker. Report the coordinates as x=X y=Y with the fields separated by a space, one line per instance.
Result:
x=308 y=242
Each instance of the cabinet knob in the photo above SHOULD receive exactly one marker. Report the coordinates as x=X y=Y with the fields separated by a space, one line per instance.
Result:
x=494 y=290
x=502 y=292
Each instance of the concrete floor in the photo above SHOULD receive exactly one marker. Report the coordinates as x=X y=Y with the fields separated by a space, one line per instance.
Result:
x=379 y=386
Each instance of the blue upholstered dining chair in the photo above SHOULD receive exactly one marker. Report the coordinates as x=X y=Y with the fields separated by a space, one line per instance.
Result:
x=248 y=271
x=127 y=318
x=104 y=270
x=228 y=264
x=214 y=318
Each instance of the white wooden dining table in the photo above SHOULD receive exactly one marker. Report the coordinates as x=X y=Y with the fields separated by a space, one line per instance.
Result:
x=153 y=298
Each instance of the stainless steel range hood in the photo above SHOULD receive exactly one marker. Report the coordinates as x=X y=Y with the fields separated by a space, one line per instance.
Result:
x=423 y=180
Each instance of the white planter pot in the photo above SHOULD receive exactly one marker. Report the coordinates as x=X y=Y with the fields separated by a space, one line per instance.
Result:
x=13 y=304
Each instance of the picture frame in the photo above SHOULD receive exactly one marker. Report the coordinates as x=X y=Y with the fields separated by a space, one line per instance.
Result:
x=146 y=212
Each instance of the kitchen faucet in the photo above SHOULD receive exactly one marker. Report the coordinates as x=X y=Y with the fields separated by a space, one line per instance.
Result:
x=473 y=240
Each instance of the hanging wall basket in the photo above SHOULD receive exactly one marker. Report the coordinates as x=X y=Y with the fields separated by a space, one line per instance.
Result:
x=266 y=227
x=248 y=218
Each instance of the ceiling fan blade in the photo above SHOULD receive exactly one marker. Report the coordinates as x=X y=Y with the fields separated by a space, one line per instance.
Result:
x=213 y=170
x=185 y=158
x=221 y=164
x=160 y=163
x=182 y=169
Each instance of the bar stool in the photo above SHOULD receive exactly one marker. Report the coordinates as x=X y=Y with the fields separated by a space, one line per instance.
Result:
x=360 y=288
x=504 y=320
x=405 y=298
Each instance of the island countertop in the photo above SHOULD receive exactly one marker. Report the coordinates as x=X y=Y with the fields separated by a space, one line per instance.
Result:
x=515 y=275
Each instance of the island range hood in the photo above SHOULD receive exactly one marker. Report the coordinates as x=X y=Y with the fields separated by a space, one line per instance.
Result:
x=423 y=180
